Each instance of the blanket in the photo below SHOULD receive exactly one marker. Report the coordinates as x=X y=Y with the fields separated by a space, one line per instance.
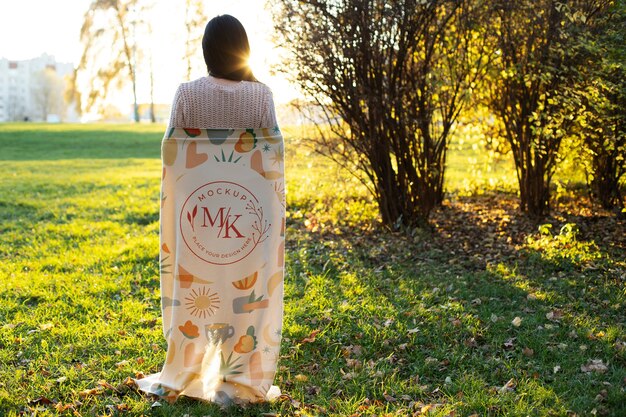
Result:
x=222 y=229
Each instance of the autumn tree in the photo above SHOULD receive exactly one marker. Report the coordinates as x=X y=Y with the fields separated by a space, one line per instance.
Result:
x=529 y=88
x=390 y=79
x=109 y=50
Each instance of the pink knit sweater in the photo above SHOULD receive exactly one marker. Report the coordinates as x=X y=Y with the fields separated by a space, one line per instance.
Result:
x=214 y=103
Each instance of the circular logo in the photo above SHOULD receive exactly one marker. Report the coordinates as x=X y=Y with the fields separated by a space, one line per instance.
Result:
x=222 y=222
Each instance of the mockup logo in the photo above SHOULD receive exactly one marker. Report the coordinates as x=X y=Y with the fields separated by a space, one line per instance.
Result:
x=222 y=222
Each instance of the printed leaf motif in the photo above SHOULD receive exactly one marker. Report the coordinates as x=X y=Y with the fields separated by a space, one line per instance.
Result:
x=228 y=367
x=165 y=267
x=229 y=159
x=191 y=216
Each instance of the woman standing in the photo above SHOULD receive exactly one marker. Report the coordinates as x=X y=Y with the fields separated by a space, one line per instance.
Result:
x=222 y=231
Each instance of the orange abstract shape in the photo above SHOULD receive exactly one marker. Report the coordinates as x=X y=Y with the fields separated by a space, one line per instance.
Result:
x=186 y=278
x=193 y=157
x=171 y=352
x=281 y=254
x=256 y=163
x=192 y=357
x=165 y=248
x=256 y=369
x=246 y=142
x=274 y=281
x=247 y=282
x=189 y=330
x=169 y=151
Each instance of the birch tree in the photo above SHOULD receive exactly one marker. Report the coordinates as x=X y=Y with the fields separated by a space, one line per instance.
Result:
x=109 y=56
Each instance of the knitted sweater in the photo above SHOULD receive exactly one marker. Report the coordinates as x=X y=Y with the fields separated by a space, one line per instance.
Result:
x=214 y=103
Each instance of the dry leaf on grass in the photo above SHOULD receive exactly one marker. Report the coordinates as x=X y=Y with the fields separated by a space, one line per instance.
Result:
x=311 y=337
x=594 y=365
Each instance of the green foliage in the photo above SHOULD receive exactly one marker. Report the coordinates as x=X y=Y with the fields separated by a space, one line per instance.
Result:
x=529 y=89
x=601 y=122
x=563 y=248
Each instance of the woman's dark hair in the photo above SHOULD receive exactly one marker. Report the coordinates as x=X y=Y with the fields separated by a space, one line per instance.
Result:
x=226 y=49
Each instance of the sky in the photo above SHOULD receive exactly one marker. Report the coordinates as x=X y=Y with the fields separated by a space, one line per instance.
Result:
x=29 y=28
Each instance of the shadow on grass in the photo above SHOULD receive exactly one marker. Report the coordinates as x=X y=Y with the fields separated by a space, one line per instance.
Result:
x=429 y=319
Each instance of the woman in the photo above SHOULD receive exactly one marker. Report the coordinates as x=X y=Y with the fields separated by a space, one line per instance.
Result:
x=222 y=231
x=230 y=97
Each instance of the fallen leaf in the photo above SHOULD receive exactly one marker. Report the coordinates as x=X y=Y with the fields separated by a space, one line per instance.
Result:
x=431 y=360
x=313 y=390
x=352 y=349
x=41 y=400
x=509 y=344
x=528 y=352
x=471 y=342
x=389 y=398
x=60 y=407
x=301 y=378
x=554 y=315
x=353 y=363
x=311 y=337
x=594 y=365
x=517 y=321
x=106 y=385
x=508 y=387
x=89 y=392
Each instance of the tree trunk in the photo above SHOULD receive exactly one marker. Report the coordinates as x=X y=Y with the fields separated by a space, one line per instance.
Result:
x=534 y=191
x=605 y=184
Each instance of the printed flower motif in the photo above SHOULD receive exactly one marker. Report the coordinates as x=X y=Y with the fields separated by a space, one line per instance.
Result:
x=247 y=141
x=247 y=343
x=189 y=330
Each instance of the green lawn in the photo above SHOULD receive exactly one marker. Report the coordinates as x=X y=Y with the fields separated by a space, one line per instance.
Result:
x=483 y=315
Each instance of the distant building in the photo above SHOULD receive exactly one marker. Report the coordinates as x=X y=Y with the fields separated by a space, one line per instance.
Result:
x=33 y=90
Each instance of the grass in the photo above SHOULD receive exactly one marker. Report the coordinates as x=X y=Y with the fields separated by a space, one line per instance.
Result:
x=486 y=314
